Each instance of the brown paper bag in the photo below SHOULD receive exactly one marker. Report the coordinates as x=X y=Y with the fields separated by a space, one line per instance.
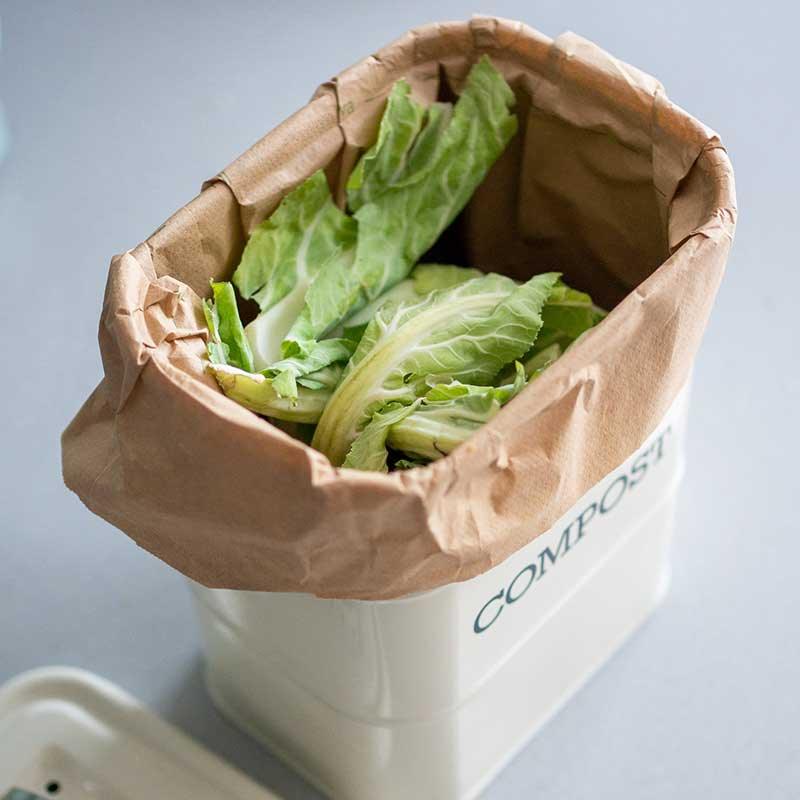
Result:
x=606 y=181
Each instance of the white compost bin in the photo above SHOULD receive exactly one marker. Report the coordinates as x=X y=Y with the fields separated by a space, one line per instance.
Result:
x=429 y=696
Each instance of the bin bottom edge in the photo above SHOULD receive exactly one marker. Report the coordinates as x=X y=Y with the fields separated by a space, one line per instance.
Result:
x=231 y=711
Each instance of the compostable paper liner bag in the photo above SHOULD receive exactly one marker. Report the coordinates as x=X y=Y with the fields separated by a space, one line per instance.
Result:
x=606 y=181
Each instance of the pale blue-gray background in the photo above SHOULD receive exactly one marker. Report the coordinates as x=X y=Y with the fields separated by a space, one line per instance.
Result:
x=118 y=111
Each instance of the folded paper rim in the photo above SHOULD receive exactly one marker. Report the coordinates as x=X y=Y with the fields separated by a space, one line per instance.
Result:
x=375 y=536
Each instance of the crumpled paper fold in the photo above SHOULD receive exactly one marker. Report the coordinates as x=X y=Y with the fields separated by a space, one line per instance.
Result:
x=607 y=181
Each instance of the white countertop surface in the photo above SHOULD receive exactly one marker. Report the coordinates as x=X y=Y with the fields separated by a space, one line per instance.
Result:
x=118 y=111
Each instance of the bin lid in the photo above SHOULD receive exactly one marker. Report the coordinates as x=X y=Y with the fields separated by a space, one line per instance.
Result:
x=66 y=734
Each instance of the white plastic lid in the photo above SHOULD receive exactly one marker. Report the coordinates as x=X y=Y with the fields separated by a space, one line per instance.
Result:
x=66 y=734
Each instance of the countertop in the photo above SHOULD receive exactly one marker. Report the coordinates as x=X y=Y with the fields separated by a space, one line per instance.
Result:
x=119 y=111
